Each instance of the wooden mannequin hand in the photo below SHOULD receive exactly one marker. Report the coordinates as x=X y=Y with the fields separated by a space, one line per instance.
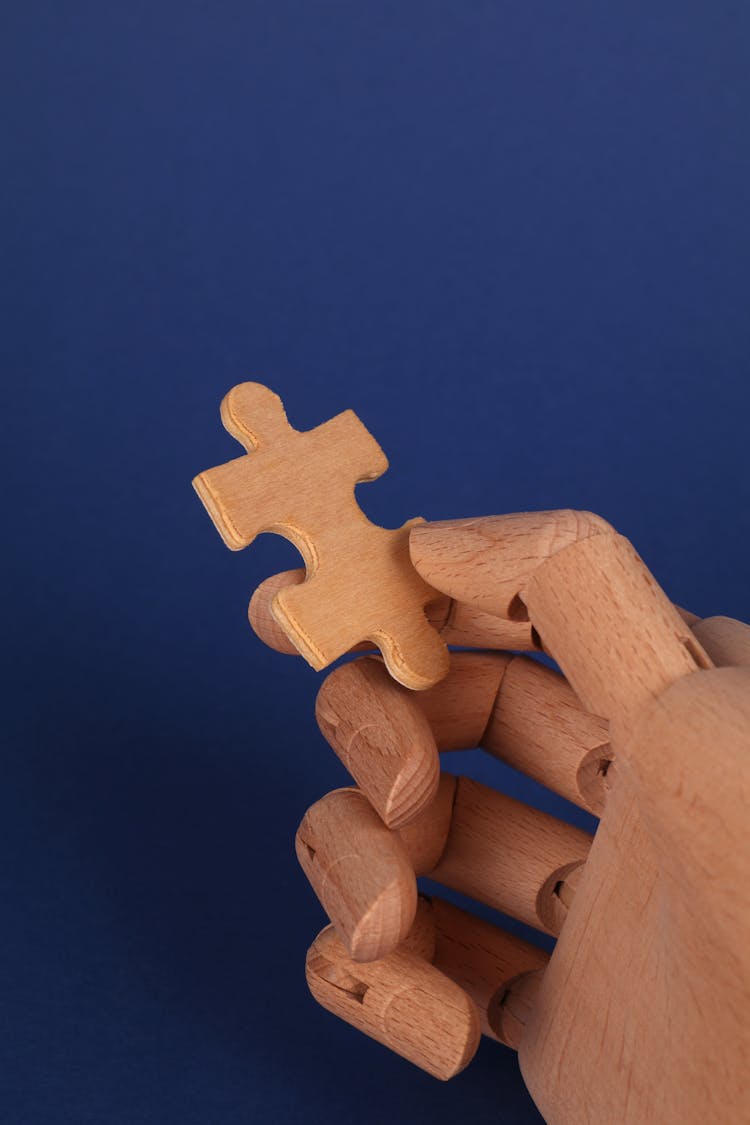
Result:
x=641 y=1014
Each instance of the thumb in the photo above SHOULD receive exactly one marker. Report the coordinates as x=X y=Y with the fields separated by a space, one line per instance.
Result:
x=487 y=561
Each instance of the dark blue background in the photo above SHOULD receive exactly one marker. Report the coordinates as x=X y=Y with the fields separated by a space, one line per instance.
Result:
x=514 y=237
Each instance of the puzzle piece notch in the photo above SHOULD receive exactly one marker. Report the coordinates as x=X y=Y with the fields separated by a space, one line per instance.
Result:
x=361 y=584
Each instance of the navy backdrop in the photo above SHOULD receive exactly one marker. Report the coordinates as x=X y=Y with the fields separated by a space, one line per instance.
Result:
x=514 y=238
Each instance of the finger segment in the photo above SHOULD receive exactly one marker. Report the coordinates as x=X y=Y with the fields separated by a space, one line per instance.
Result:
x=453 y=976
x=382 y=736
x=516 y=708
x=263 y=622
x=538 y=726
x=402 y=1001
x=500 y=971
x=725 y=640
x=360 y=871
x=459 y=708
x=425 y=837
x=610 y=627
x=509 y=855
x=469 y=627
x=485 y=562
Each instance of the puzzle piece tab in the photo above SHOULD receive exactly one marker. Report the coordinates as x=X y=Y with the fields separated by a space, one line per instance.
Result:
x=361 y=584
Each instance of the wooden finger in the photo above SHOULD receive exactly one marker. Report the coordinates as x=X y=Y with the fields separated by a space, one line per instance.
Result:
x=484 y=562
x=464 y=624
x=500 y=971
x=610 y=627
x=501 y=852
x=360 y=871
x=572 y=561
x=425 y=837
x=382 y=736
x=477 y=841
x=388 y=737
x=459 y=708
x=457 y=623
x=516 y=708
x=263 y=622
x=725 y=640
x=539 y=726
x=497 y=971
x=401 y=1000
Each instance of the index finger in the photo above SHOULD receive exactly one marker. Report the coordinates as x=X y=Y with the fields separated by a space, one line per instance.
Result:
x=485 y=562
x=592 y=603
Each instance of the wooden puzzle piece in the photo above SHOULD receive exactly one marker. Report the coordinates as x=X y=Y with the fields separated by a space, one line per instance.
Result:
x=361 y=584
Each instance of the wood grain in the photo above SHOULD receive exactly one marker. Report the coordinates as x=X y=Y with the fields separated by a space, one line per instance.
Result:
x=360 y=583
x=610 y=627
x=509 y=855
x=401 y=1001
x=382 y=736
x=360 y=871
x=539 y=726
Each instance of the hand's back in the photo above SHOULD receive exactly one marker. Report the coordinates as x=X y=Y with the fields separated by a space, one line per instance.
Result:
x=642 y=1014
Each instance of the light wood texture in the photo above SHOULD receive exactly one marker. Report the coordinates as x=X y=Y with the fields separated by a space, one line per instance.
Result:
x=479 y=842
x=402 y=1001
x=388 y=738
x=454 y=957
x=516 y=708
x=552 y=568
x=485 y=562
x=360 y=583
x=363 y=873
x=726 y=641
x=650 y=981
x=500 y=971
x=426 y=836
x=509 y=855
x=641 y=1015
x=460 y=707
x=678 y=797
x=360 y=871
x=456 y=622
x=622 y=642
x=539 y=726
x=470 y=627
x=604 y=986
x=382 y=737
